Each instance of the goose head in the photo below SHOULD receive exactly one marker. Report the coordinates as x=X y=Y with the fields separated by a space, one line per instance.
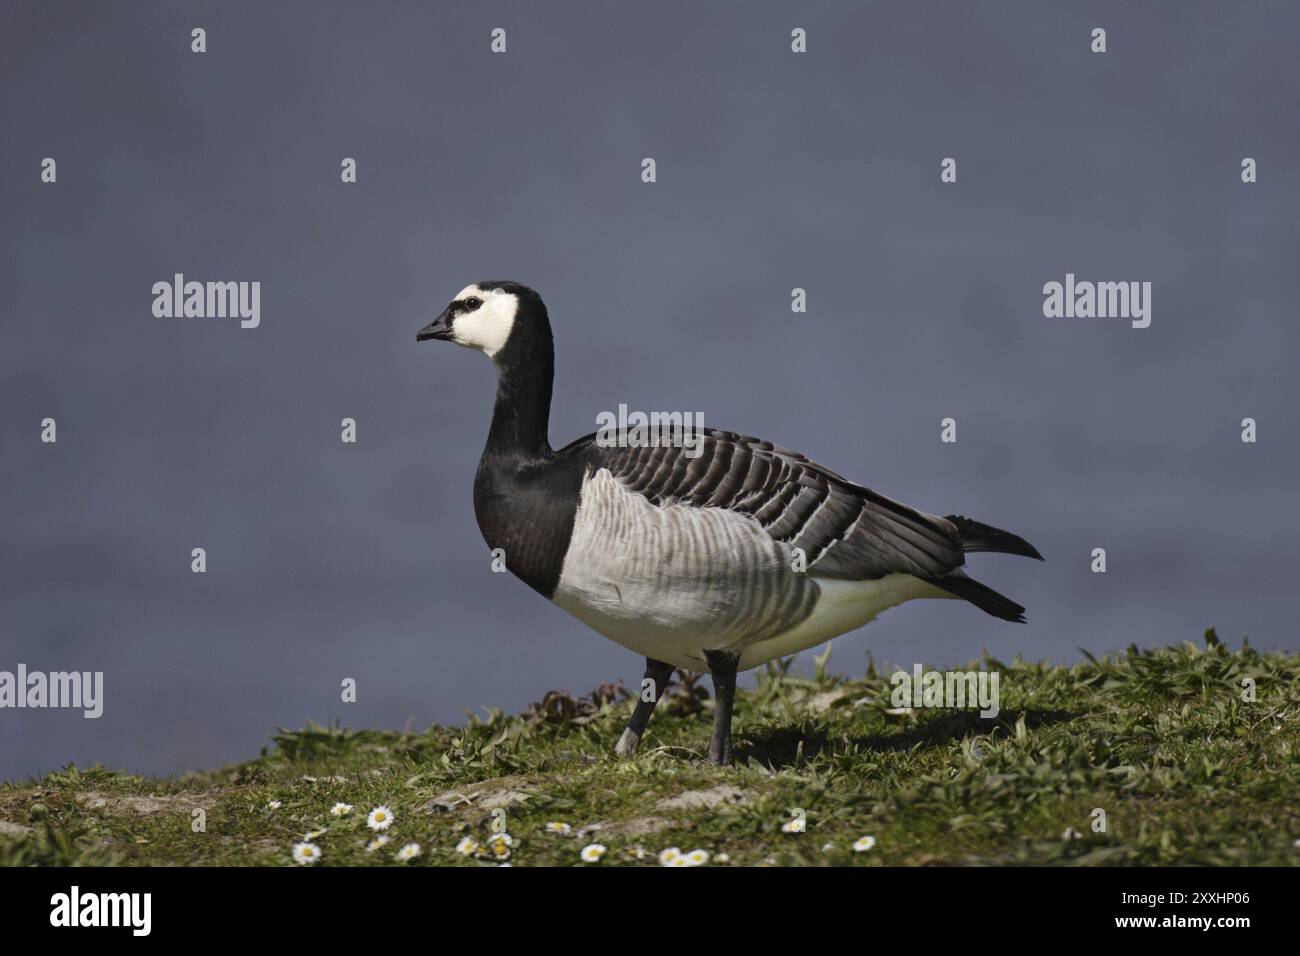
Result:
x=488 y=315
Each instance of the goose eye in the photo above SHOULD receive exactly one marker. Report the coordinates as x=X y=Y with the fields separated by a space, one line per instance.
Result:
x=473 y=302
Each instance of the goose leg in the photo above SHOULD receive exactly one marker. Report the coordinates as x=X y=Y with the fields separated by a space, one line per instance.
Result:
x=722 y=665
x=659 y=674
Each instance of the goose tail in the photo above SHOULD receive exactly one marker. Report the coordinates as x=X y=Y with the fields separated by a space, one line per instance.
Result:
x=982 y=596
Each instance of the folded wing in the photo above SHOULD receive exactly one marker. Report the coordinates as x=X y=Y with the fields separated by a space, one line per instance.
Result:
x=845 y=531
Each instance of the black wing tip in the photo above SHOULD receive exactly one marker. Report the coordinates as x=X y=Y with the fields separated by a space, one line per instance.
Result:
x=977 y=536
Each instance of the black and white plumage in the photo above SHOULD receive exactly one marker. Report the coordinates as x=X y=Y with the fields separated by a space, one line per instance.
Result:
x=722 y=559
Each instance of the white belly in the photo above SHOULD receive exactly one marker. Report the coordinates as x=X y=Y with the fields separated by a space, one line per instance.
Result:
x=843 y=606
x=672 y=581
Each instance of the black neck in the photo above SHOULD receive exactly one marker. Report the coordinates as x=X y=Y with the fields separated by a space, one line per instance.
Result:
x=525 y=376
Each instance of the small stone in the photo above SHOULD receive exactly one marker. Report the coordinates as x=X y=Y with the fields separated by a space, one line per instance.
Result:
x=705 y=799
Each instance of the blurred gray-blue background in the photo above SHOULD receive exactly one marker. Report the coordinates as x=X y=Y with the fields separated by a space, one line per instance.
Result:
x=775 y=171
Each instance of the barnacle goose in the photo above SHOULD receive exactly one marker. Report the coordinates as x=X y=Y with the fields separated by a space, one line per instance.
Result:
x=691 y=561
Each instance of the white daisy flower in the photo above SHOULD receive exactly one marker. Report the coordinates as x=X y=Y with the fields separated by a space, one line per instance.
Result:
x=828 y=847
x=722 y=858
x=381 y=818
x=557 y=827
x=593 y=852
x=340 y=809
x=636 y=852
x=311 y=835
x=678 y=861
x=1071 y=834
x=467 y=847
x=377 y=842
x=797 y=825
x=499 y=846
x=408 y=852
x=274 y=805
x=863 y=844
x=668 y=856
x=697 y=857
x=306 y=853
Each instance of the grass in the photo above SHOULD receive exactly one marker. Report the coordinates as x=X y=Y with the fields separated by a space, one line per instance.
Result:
x=1185 y=770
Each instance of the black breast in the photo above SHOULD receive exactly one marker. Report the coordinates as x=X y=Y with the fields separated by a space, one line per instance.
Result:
x=525 y=506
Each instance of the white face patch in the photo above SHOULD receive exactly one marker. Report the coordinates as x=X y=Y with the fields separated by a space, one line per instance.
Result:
x=487 y=327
